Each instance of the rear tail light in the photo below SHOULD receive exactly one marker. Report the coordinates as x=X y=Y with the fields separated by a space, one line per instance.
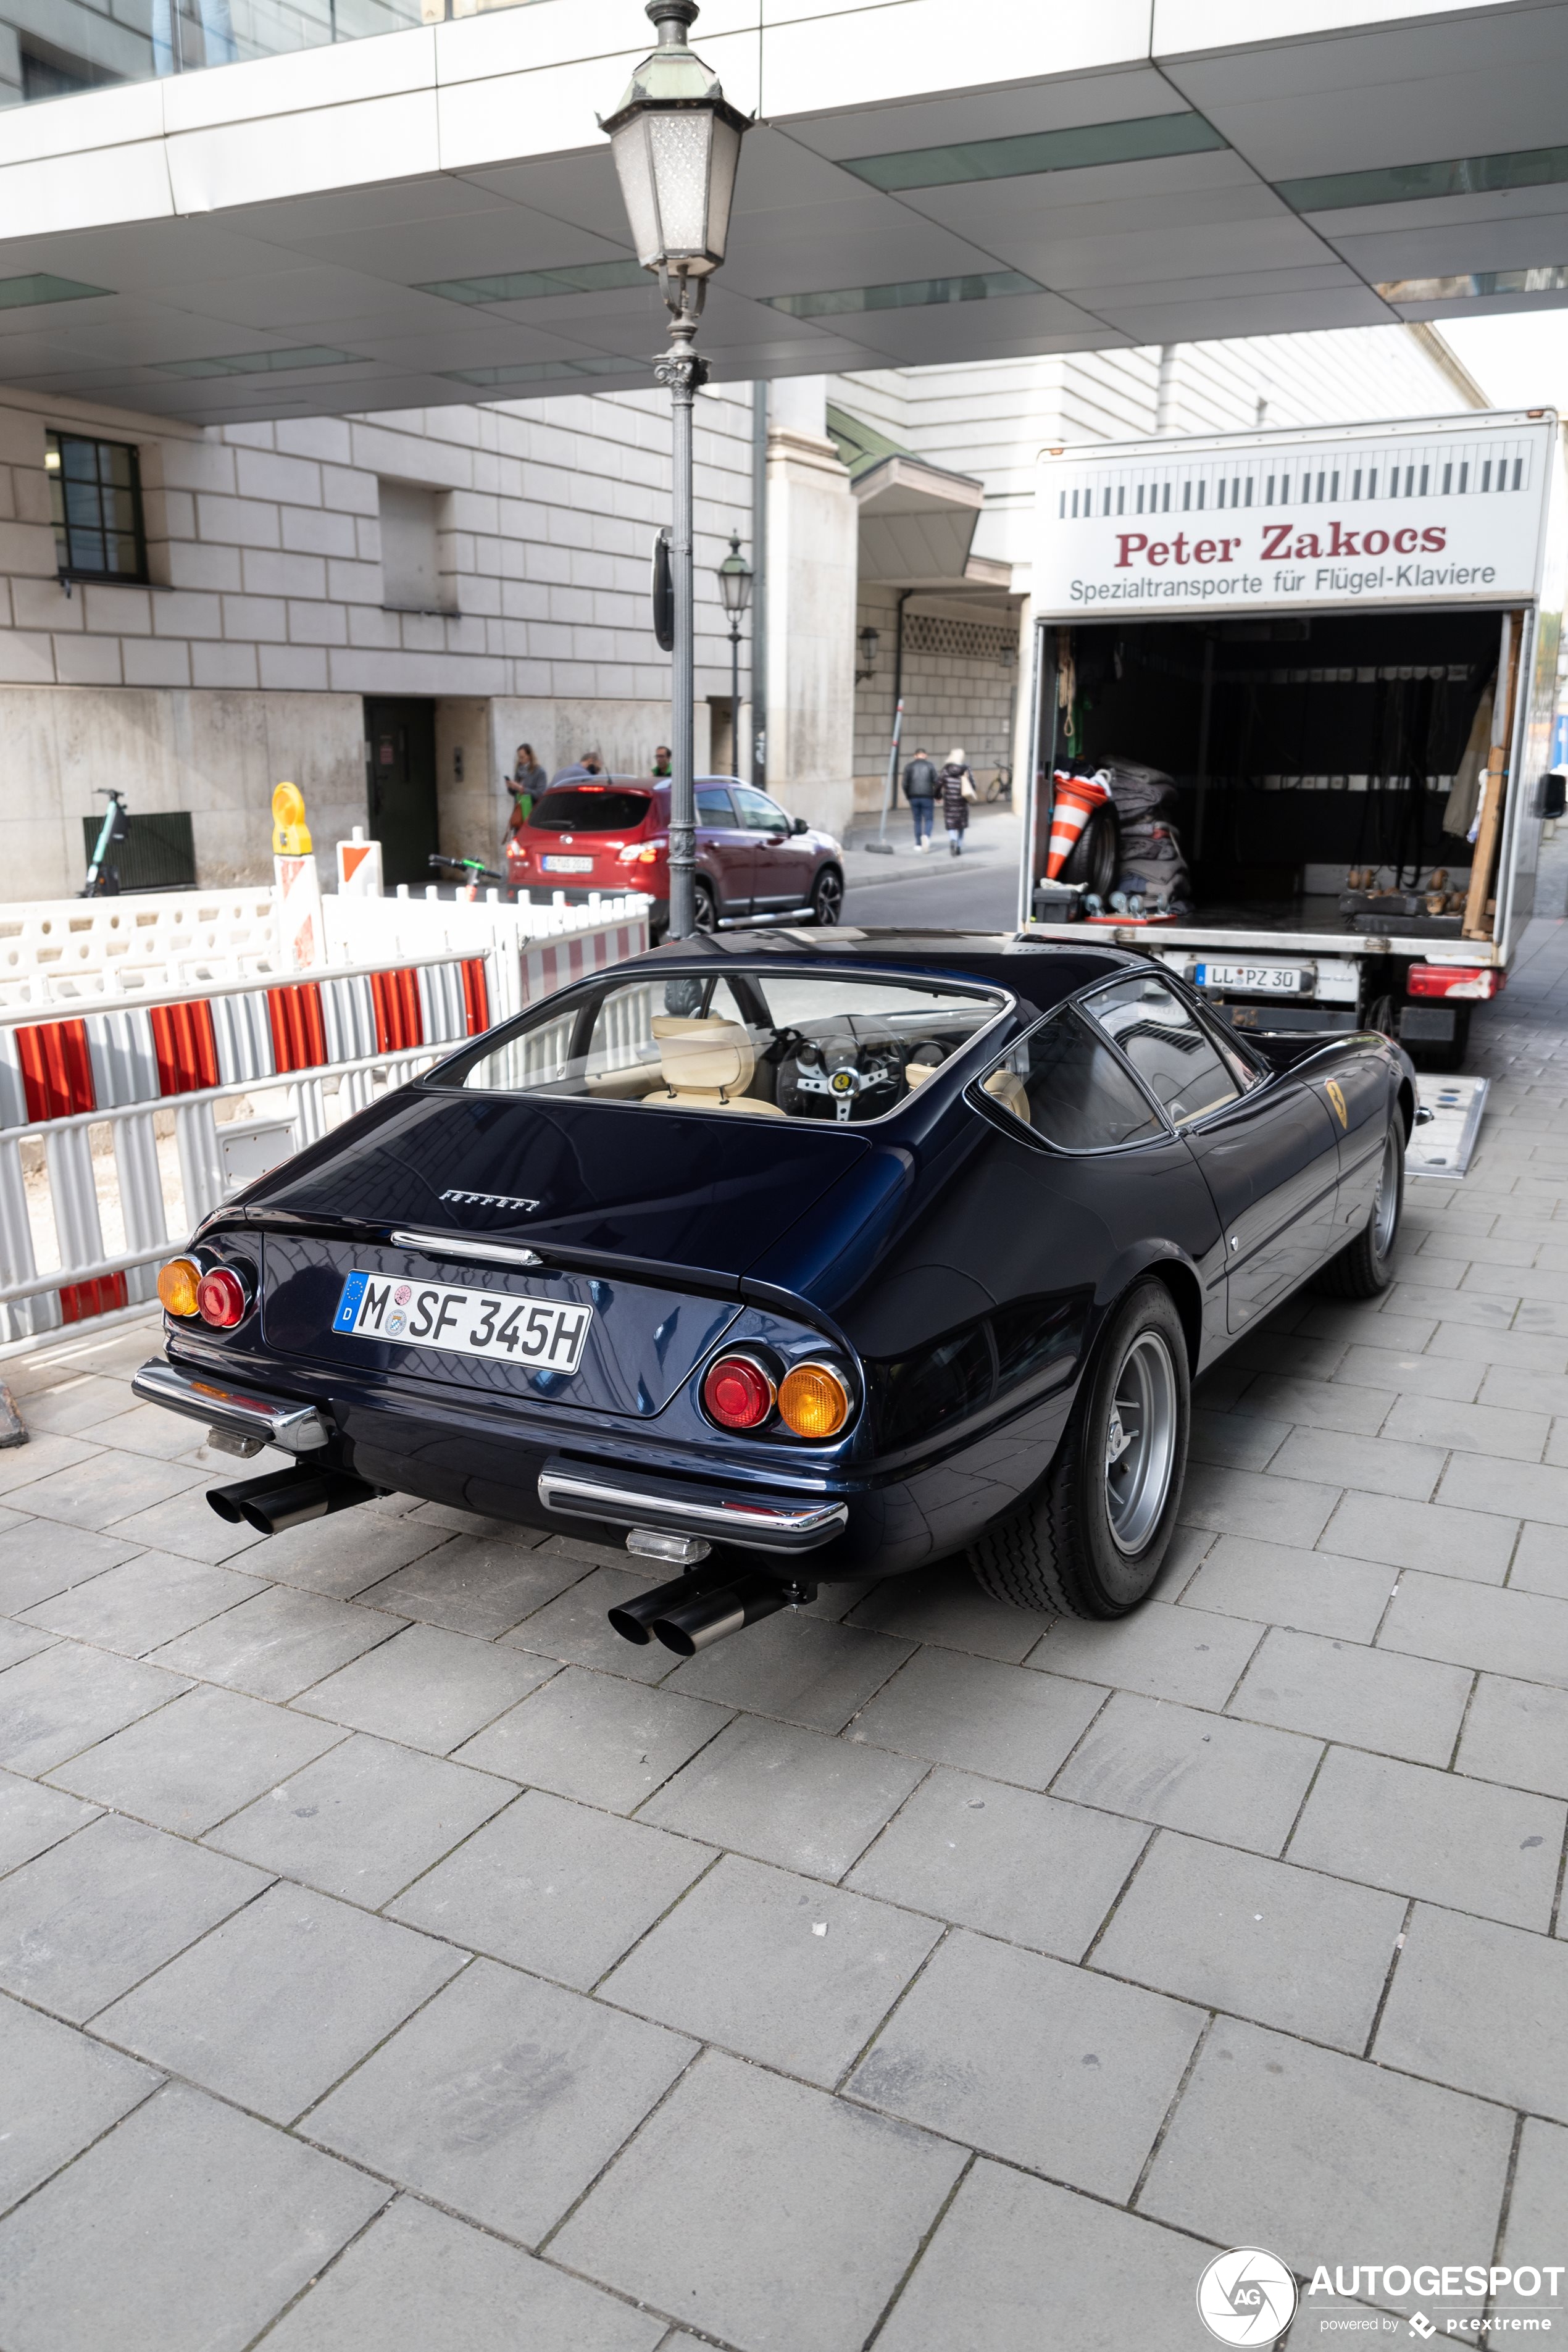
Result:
x=737 y=1393
x=1465 y=980
x=179 y=1283
x=641 y=852
x=813 y=1401
x=222 y=1298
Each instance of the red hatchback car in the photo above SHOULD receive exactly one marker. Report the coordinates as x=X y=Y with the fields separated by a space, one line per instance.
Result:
x=612 y=833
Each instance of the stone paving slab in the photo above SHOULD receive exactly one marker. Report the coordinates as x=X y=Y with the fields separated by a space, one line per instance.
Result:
x=476 y=1953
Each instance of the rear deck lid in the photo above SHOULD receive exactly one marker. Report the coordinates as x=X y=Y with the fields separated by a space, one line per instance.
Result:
x=657 y=1218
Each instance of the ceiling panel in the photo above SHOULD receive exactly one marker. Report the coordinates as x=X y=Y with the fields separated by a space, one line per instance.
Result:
x=1122 y=95
x=1408 y=94
x=1431 y=252
x=950 y=329
x=1282 y=313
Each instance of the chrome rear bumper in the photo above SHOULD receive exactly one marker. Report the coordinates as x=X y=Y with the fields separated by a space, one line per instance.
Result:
x=627 y=1500
x=239 y=1413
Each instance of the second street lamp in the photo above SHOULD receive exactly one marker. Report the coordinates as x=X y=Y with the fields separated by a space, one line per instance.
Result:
x=734 y=578
x=676 y=140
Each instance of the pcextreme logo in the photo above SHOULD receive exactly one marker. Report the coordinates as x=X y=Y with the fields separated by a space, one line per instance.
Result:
x=1246 y=2296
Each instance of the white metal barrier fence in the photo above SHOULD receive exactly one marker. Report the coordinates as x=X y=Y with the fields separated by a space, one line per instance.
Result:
x=81 y=1228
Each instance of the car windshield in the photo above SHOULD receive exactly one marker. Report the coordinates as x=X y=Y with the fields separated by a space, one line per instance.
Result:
x=771 y=1044
x=589 y=808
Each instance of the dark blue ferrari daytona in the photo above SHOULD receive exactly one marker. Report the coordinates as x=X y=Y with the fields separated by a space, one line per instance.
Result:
x=785 y=1258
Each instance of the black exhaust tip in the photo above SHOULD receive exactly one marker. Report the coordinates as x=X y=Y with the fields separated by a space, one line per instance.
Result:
x=707 y=1617
x=287 y=1498
x=634 y=1618
x=229 y=1502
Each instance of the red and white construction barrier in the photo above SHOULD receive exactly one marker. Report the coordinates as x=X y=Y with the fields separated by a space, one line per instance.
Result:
x=287 y=1048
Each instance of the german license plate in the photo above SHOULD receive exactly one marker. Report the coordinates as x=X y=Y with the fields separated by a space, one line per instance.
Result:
x=567 y=865
x=1258 y=979
x=539 y=1332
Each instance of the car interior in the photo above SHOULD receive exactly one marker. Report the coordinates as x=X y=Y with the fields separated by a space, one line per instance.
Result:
x=779 y=1044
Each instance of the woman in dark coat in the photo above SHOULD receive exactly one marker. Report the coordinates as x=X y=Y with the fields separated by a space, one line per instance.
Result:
x=955 y=788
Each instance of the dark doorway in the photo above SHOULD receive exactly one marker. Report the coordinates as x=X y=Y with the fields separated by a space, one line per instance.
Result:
x=401 y=739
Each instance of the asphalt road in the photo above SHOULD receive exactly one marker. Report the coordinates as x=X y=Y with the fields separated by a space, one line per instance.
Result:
x=977 y=891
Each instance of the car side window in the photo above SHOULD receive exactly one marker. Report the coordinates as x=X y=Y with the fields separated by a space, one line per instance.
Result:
x=713 y=806
x=757 y=813
x=1165 y=1045
x=1063 y=1082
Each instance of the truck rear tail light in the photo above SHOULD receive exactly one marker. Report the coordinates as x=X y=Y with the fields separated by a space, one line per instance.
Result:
x=1454 y=980
x=737 y=1393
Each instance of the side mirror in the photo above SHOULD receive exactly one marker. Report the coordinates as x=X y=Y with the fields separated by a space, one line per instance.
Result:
x=799 y=824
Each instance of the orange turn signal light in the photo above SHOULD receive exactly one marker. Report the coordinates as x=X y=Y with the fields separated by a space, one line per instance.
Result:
x=178 y=1283
x=812 y=1401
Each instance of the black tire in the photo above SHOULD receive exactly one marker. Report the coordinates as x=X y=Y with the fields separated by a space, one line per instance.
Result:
x=1095 y=858
x=705 y=906
x=1365 y=1267
x=1073 y=1546
x=827 y=898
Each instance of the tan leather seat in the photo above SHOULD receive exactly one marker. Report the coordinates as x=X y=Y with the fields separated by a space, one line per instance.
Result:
x=705 y=1064
x=1010 y=1091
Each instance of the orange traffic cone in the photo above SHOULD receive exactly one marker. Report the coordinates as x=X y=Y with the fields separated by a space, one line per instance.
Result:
x=1075 y=801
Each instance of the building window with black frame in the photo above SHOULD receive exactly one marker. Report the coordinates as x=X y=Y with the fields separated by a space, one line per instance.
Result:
x=95 y=500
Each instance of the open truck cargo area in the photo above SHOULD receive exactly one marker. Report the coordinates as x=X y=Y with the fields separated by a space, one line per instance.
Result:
x=1315 y=673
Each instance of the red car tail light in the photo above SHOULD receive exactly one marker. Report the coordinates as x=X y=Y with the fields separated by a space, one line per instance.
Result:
x=222 y=1298
x=737 y=1393
x=1464 y=980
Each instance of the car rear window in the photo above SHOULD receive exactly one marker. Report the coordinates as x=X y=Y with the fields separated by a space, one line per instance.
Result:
x=589 y=808
x=834 y=1047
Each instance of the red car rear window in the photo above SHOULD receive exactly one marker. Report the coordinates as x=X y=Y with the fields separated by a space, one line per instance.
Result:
x=589 y=808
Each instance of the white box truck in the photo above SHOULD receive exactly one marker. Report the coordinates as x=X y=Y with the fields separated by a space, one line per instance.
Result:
x=1336 y=654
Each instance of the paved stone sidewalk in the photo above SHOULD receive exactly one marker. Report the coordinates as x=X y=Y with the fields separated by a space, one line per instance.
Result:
x=390 y=1958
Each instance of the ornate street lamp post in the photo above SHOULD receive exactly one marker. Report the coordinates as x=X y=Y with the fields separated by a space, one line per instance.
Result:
x=734 y=578
x=676 y=140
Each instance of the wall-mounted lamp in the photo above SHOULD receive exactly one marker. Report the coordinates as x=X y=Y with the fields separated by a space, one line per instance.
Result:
x=868 y=639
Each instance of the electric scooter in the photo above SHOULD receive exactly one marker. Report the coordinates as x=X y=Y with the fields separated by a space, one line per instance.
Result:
x=103 y=879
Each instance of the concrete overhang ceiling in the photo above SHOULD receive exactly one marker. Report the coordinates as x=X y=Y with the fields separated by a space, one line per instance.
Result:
x=916 y=520
x=432 y=215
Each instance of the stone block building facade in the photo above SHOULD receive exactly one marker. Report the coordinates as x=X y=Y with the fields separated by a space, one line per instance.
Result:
x=382 y=608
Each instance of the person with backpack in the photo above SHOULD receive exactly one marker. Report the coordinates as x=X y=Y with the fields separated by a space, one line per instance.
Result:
x=956 y=786
x=920 y=787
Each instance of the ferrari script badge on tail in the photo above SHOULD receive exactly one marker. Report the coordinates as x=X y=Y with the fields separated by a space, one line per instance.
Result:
x=488 y=1201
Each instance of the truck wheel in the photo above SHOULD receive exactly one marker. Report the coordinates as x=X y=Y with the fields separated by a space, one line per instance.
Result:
x=1092 y=1537
x=1365 y=1267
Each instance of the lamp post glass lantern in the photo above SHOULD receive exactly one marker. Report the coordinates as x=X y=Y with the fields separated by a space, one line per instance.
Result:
x=676 y=140
x=734 y=578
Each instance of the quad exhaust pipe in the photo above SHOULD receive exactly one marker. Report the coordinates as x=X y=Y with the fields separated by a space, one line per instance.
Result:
x=694 y=1611
x=286 y=1499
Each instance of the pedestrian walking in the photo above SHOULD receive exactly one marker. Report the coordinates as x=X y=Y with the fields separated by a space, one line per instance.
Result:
x=525 y=783
x=957 y=789
x=921 y=785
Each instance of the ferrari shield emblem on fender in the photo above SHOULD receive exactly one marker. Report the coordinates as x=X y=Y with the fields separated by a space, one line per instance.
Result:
x=1335 y=1094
